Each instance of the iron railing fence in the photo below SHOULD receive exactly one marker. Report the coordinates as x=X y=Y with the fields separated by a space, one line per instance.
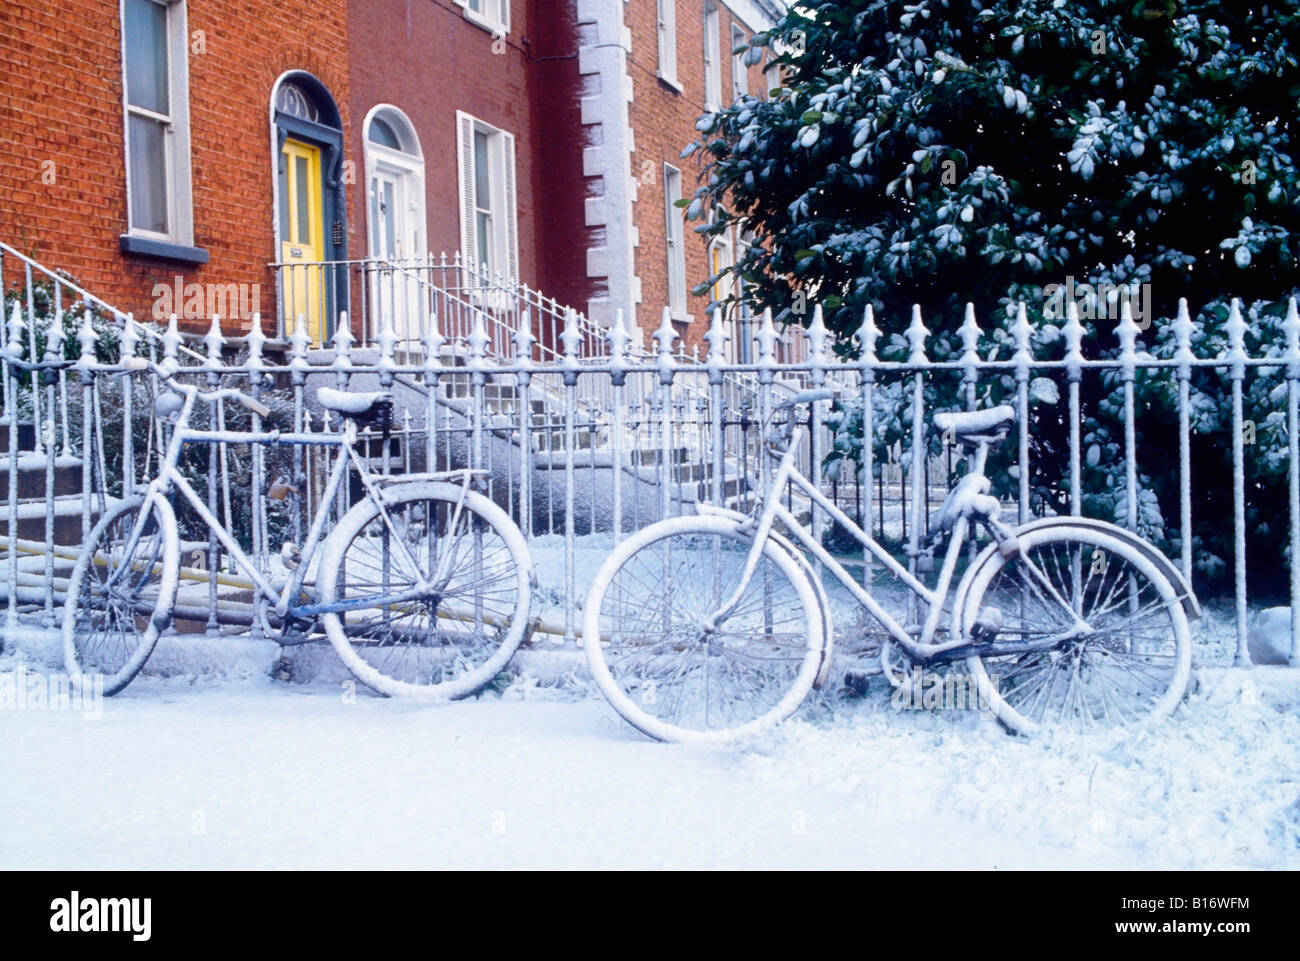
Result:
x=588 y=437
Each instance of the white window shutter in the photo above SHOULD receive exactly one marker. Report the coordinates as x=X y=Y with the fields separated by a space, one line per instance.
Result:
x=511 y=258
x=465 y=166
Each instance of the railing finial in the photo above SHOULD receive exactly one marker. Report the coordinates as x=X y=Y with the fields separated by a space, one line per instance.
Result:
x=1074 y=332
x=477 y=340
x=387 y=340
x=1236 y=329
x=299 y=341
x=1183 y=330
x=1127 y=332
x=1023 y=331
x=214 y=341
x=523 y=338
x=619 y=339
x=867 y=335
x=766 y=338
x=256 y=339
x=665 y=336
x=54 y=338
x=343 y=341
x=635 y=336
x=171 y=338
x=571 y=340
x=433 y=342
x=16 y=328
x=970 y=341
x=718 y=338
x=87 y=338
x=130 y=337
x=818 y=339
x=916 y=337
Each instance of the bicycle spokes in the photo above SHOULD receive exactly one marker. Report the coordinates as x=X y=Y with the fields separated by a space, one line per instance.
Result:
x=681 y=664
x=121 y=592
x=1102 y=633
x=431 y=636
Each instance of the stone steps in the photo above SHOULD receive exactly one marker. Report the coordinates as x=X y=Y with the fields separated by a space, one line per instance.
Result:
x=33 y=495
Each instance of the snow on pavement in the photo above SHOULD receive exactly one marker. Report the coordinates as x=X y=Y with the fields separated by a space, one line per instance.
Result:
x=250 y=773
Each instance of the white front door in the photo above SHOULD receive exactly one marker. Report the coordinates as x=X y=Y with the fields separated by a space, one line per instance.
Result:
x=397 y=247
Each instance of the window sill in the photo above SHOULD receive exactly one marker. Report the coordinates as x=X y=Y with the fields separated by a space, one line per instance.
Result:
x=670 y=83
x=494 y=27
x=162 y=249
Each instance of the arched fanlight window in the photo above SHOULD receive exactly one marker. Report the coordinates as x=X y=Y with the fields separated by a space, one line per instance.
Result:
x=388 y=127
x=294 y=101
x=383 y=134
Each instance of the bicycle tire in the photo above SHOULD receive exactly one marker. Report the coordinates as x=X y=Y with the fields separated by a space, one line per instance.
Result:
x=1099 y=688
x=390 y=649
x=151 y=606
x=629 y=665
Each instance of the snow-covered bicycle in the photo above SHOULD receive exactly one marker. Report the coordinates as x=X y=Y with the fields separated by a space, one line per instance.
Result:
x=715 y=626
x=423 y=586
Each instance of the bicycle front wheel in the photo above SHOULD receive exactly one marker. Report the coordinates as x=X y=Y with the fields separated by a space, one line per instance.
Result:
x=455 y=637
x=1125 y=653
x=651 y=650
x=121 y=592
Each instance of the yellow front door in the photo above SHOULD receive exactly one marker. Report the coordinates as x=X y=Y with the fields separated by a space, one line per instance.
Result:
x=302 y=239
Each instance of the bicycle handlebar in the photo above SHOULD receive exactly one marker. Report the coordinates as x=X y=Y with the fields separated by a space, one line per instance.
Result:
x=776 y=435
x=805 y=397
x=143 y=364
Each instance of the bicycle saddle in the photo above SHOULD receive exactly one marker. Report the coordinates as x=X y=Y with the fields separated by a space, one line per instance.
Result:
x=371 y=407
x=972 y=426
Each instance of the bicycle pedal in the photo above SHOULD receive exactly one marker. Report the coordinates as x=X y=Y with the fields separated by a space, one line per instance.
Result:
x=858 y=682
x=987 y=625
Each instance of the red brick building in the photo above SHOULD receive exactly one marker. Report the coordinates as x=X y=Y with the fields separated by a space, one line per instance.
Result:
x=469 y=137
x=155 y=148
x=681 y=66
x=190 y=193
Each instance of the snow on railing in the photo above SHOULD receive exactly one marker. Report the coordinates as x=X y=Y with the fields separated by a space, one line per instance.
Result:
x=650 y=432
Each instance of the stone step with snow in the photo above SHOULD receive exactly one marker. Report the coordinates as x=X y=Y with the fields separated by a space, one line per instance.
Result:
x=67 y=519
x=32 y=477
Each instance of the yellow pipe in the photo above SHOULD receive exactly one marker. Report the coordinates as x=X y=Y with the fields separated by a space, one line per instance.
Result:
x=230 y=580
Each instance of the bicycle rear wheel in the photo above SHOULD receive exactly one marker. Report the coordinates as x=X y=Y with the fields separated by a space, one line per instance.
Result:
x=656 y=662
x=1129 y=665
x=121 y=592
x=451 y=641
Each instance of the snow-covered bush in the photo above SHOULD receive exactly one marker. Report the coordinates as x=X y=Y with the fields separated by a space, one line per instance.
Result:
x=939 y=152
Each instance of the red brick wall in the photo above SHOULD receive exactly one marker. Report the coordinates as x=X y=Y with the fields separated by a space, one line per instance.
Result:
x=61 y=100
x=427 y=59
x=562 y=235
x=663 y=122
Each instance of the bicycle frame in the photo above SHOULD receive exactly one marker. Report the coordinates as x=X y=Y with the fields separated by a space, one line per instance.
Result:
x=923 y=649
x=170 y=479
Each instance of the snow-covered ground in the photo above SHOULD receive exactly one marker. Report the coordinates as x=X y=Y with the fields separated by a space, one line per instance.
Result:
x=205 y=761
x=231 y=769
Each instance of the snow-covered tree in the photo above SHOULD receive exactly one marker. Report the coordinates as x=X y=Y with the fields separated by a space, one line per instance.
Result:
x=944 y=151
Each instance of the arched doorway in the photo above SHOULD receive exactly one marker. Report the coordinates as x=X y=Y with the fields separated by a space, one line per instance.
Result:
x=310 y=210
x=395 y=221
